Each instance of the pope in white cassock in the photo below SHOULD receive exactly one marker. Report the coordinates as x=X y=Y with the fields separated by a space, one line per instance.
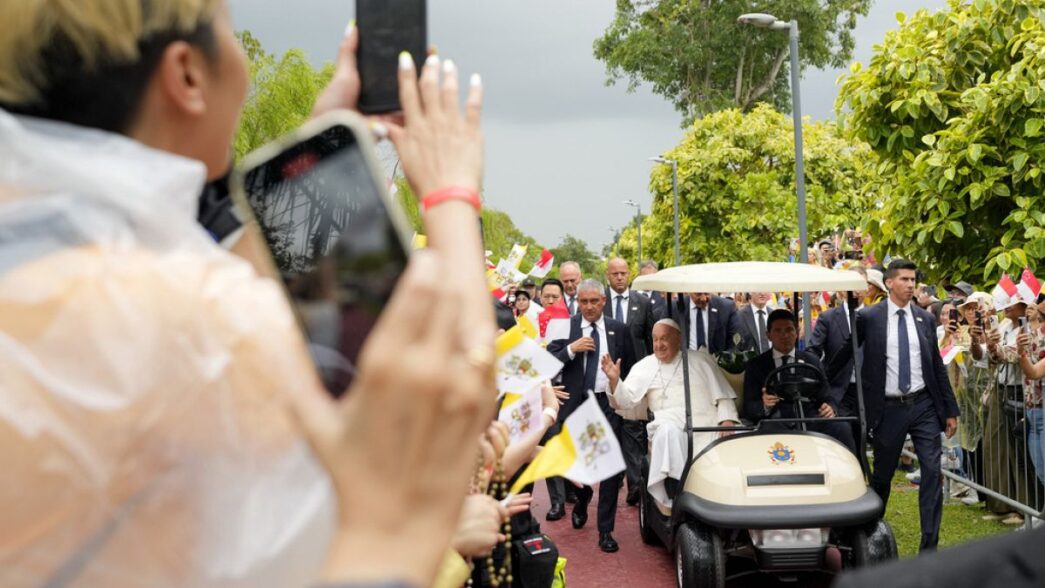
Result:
x=657 y=382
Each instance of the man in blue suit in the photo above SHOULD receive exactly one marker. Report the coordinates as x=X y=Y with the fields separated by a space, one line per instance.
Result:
x=906 y=391
x=829 y=336
x=712 y=322
x=593 y=335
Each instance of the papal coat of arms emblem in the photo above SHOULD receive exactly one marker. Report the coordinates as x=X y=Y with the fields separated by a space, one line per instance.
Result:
x=521 y=418
x=593 y=443
x=780 y=453
x=521 y=366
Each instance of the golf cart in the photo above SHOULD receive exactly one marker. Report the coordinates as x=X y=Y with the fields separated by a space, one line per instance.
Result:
x=778 y=502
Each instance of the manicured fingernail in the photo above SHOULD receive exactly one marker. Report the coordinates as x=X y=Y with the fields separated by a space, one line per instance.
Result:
x=432 y=60
x=379 y=130
x=476 y=80
x=448 y=66
x=351 y=25
x=405 y=61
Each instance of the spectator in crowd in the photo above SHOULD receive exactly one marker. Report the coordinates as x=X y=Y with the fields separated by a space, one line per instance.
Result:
x=531 y=288
x=876 y=291
x=636 y=311
x=570 y=274
x=828 y=253
x=959 y=290
x=591 y=336
x=712 y=323
x=1031 y=346
x=186 y=386
x=760 y=405
x=656 y=383
x=551 y=292
x=925 y=295
x=524 y=307
x=1003 y=450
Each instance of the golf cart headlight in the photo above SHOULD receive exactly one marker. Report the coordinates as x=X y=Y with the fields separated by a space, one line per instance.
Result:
x=773 y=538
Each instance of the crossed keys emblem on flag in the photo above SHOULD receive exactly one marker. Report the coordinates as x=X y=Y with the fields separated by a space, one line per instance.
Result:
x=521 y=366
x=593 y=443
x=521 y=419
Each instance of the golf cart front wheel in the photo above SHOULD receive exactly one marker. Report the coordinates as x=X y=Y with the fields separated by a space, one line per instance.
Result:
x=649 y=536
x=872 y=544
x=700 y=561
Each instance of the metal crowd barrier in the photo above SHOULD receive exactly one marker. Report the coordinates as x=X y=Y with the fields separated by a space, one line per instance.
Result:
x=1003 y=468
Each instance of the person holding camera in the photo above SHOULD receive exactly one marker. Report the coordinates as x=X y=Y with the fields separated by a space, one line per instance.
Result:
x=162 y=422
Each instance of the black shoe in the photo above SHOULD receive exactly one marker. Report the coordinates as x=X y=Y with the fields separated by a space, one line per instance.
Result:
x=580 y=515
x=571 y=497
x=607 y=543
x=556 y=512
x=633 y=498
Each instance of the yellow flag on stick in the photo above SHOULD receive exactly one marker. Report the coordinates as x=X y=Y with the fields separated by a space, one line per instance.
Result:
x=521 y=362
x=586 y=451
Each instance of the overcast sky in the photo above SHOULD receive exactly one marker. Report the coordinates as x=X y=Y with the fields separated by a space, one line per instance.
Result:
x=563 y=149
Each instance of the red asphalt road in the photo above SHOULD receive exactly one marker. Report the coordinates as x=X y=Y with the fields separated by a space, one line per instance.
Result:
x=636 y=565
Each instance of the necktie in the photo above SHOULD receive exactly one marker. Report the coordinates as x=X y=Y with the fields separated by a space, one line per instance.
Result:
x=620 y=308
x=761 y=331
x=591 y=361
x=702 y=340
x=573 y=306
x=904 y=350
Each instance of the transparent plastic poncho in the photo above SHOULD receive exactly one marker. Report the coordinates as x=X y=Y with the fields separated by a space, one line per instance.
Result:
x=144 y=377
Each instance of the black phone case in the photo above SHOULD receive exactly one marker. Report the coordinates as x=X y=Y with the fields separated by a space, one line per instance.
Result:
x=379 y=50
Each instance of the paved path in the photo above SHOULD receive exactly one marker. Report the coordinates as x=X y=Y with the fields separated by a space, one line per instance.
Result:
x=636 y=565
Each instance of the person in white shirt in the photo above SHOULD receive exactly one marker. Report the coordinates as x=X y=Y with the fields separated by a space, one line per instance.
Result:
x=657 y=382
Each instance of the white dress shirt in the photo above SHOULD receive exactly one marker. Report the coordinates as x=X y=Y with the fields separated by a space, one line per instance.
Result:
x=572 y=304
x=778 y=357
x=602 y=382
x=892 y=352
x=759 y=335
x=612 y=303
x=693 y=325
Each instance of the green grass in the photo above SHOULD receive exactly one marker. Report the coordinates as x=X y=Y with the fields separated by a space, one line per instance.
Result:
x=961 y=523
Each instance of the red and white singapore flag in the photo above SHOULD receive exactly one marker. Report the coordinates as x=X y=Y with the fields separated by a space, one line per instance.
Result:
x=543 y=265
x=1029 y=287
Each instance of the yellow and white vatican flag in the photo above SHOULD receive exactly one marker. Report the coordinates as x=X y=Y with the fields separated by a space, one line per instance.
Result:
x=515 y=256
x=522 y=413
x=521 y=361
x=586 y=451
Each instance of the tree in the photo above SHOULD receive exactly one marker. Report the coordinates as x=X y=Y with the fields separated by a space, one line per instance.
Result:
x=952 y=102
x=281 y=97
x=695 y=55
x=737 y=189
x=573 y=249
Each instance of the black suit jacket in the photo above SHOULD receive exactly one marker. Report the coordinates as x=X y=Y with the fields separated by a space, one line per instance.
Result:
x=748 y=329
x=755 y=379
x=640 y=320
x=829 y=336
x=659 y=306
x=722 y=324
x=872 y=329
x=619 y=343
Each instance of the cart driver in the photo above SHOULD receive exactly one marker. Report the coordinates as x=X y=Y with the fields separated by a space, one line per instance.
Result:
x=657 y=382
x=761 y=406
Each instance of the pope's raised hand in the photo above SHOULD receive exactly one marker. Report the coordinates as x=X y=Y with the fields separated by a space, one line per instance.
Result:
x=611 y=369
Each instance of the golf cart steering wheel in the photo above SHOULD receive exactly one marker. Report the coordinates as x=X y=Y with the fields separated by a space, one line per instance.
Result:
x=797 y=382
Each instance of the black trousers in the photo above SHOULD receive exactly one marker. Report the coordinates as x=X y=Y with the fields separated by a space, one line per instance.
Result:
x=556 y=485
x=635 y=446
x=609 y=489
x=919 y=420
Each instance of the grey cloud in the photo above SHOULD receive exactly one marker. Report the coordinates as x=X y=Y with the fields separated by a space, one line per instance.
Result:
x=563 y=149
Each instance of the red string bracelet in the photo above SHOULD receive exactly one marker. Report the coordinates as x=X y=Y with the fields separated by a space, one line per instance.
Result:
x=449 y=193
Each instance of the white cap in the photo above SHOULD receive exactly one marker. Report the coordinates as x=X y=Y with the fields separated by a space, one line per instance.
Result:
x=670 y=323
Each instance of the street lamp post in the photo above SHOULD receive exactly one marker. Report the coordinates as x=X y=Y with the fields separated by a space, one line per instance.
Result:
x=675 y=190
x=638 y=225
x=768 y=21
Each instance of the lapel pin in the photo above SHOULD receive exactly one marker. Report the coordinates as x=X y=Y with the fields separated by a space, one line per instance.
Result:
x=714 y=310
x=610 y=332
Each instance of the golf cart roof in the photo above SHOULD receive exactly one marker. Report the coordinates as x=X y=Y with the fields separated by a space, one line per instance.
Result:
x=750 y=276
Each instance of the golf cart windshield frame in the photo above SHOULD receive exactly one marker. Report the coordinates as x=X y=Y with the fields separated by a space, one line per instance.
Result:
x=755 y=277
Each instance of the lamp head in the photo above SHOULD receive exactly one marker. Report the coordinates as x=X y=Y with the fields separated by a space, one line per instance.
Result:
x=759 y=19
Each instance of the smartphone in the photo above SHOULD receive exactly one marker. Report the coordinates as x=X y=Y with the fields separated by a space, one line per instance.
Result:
x=953 y=315
x=979 y=319
x=336 y=237
x=387 y=28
